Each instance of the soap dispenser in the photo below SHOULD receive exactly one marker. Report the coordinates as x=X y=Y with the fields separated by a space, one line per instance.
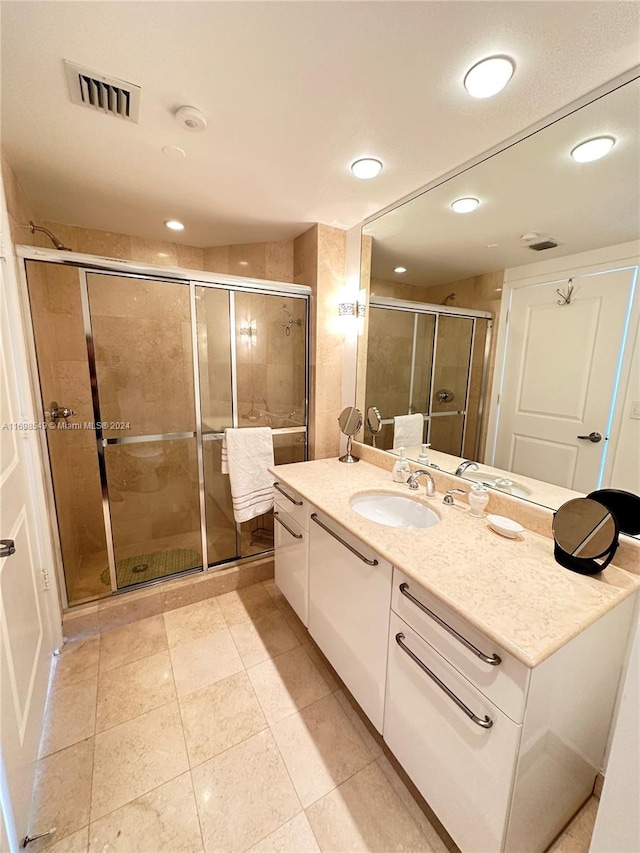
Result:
x=401 y=470
x=423 y=458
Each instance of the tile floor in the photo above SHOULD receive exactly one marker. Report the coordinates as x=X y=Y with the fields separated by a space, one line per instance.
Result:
x=219 y=727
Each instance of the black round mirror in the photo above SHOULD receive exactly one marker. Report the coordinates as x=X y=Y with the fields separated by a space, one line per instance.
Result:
x=585 y=531
x=374 y=421
x=350 y=420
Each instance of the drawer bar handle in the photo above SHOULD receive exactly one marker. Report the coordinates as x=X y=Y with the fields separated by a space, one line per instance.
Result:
x=484 y=722
x=276 y=515
x=494 y=660
x=287 y=496
x=315 y=518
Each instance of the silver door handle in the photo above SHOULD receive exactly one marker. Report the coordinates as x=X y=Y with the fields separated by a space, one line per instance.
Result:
x=7 y=547
x=595 y=437
x=493 y=660
x=276 y=515
x=315 y=518
x=288 y=497
x=484 y=722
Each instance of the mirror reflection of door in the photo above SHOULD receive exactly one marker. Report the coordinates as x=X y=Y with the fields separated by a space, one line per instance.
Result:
x=561 y=366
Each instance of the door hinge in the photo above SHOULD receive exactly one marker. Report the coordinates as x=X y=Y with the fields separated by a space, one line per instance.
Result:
x=508 y=315
x=46 y=583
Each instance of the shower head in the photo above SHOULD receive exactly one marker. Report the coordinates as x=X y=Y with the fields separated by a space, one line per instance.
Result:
x=57 y=243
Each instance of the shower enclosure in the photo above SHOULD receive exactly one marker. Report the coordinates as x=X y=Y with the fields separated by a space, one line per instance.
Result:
x=139 y=375
x=432 y=360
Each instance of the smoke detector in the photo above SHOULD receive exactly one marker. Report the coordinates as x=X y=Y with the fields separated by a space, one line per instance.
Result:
x=530 y=237
x=190 y=119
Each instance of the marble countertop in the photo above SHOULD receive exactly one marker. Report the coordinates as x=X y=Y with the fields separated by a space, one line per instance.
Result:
x=511 y=589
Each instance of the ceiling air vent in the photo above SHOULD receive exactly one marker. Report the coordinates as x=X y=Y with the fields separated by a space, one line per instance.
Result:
x=108 y=94
x=543 y=245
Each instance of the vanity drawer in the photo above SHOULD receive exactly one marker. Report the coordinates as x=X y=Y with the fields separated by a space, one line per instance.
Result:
x=469 y=650
x=291 y=561
x=463 y=765
x=292 y=503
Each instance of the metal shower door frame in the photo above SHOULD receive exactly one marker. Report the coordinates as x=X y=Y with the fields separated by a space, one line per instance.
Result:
x=84 y=265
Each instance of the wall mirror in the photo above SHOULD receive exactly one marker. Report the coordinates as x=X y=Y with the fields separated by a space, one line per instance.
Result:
x=512 y=328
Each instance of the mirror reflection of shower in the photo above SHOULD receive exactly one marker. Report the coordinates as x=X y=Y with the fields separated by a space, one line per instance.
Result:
x=290 y=321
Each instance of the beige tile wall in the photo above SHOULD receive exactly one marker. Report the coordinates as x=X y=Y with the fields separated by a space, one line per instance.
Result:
x=319 y=257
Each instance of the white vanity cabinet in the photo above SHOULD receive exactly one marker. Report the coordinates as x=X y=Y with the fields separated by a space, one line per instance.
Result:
x=457 y=747
x=349 y=601
x=291 y=546
x=504 y=754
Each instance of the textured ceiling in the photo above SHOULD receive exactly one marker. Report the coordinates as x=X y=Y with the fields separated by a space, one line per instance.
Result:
x=293 y=92
x=534 y=186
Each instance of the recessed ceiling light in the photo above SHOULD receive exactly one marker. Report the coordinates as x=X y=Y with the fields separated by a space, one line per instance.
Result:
x=488 y=77
x=492 y=245
x=593 y=149
x=174 y=225
x=464 y=205
x=400 y=269
x=366 y=168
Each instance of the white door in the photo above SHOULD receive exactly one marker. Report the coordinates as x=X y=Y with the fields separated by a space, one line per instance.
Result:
x=559 y=381
x=26 y=633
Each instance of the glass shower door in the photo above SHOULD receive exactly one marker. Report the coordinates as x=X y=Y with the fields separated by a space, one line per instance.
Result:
x=143 y=393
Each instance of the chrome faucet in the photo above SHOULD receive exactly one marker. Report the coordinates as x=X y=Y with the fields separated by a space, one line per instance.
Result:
x=462 y=467
x=430 y=485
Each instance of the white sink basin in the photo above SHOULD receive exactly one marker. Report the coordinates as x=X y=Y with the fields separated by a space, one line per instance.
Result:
x=393 y=510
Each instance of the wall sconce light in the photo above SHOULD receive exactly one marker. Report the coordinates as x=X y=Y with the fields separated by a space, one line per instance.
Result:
x=355 y=309
x=249 y=330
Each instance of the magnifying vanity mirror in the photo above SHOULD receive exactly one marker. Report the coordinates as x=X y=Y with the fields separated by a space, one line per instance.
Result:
x=513 y=329
x=374 y=423
x=585 y=531
x=350 y=423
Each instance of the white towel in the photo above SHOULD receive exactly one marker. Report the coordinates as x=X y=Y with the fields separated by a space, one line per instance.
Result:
x=246 y=455
x=407 y=430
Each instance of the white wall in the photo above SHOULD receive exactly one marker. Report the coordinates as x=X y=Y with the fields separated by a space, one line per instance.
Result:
x=617 y=828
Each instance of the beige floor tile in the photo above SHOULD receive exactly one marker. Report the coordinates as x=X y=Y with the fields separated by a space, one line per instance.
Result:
x=220 y=716
x=70 y=716
x=295 y=836
x=365 y=814
x=63 y=791
x=320 y=748
x=437 y=844
x=263 y=637
x=165 y=820
x=135 y=757
x=293 y=620
x=193 y=621
x=77 y=842
x=576 y=838
x=273 y=590
x=132 y=642
x=204 y=661
x=243 y=794
x=77 y=661
x=134 y=689
x=371 y=740
x=323 y=668
x=287 y=684
x=246 y=603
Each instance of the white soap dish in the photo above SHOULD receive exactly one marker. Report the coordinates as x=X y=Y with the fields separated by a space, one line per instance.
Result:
x=504 y=526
